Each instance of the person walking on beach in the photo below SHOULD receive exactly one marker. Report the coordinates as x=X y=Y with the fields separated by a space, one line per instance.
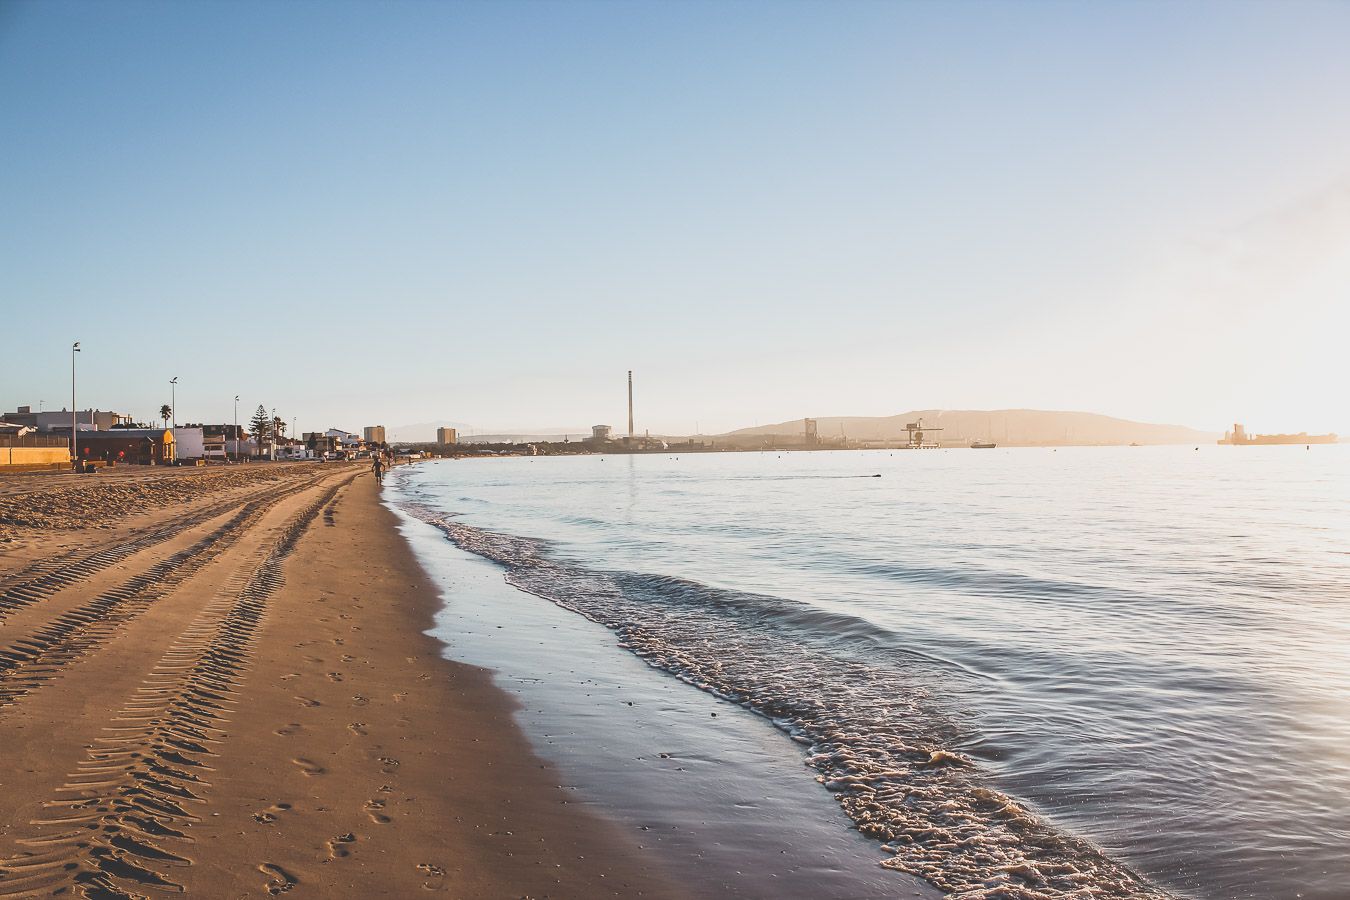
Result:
x=378 y=465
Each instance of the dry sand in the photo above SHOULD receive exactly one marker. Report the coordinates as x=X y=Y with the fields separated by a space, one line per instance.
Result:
x=231 y=694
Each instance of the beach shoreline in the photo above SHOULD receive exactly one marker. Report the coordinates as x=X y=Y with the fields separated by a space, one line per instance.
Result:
x=237 y=695
x=713 y=789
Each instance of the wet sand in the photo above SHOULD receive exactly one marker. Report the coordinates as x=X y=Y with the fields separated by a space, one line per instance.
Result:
x=722 y=796
x=232 y=694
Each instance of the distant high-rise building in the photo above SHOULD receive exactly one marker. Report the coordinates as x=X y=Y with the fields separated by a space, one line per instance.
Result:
x=375 y=434
x=447 y=436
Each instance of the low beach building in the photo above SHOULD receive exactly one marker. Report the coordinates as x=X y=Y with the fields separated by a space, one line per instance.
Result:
x=332 y=441
x=209 y=445
x=137 y=446
x=241 y=448
x=319 y=442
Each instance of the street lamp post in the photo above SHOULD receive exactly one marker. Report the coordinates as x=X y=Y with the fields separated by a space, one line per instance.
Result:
x=74 y=439
x=173 y=416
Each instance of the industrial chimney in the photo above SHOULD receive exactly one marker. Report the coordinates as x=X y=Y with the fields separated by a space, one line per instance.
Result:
x=630 y=405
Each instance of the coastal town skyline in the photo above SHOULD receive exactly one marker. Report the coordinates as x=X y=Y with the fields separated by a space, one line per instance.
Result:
x=360 y=213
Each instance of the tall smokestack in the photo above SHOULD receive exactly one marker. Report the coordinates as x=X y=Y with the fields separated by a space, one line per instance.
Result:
x=630 y=404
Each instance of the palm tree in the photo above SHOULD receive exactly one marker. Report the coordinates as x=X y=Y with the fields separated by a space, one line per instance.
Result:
x=165 y=413
x=279 y=427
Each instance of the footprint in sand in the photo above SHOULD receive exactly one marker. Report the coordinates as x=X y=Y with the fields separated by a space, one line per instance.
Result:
x=334 y=676
x=309 y=767
x=269 y=815
x=373 y=808
x=388 y=764
x=337 y=848
x=358 y=728
x=279 y=881
x=435 y=873
x=308 y=702
x=358 y=700
x=289 y=729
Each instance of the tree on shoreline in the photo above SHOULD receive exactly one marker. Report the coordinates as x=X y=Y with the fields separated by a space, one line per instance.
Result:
x=165 y=412
x=260 y=425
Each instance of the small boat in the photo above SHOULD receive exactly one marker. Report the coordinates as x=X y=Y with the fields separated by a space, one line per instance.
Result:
x=982 y=445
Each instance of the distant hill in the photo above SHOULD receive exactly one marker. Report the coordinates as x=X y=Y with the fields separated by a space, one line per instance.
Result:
x=1004 y=426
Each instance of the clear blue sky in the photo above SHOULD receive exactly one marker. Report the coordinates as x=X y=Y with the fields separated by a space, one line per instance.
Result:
x=487 y=213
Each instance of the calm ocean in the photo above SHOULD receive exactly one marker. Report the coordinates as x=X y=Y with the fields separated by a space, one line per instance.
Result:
x=1123 y=668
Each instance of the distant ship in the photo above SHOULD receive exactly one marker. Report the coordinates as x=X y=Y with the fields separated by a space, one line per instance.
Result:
x=982 y=445
x=1239 y=437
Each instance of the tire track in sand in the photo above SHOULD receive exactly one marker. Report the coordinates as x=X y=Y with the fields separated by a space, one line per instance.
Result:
x=34 y=659
x=118 y=825
x=46 y=577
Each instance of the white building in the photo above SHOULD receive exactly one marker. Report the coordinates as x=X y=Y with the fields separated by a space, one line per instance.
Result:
x=189 y=442
x=345 y=439
x=243 y=448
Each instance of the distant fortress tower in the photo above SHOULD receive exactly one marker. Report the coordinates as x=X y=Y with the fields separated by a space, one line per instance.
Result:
x=630 y=405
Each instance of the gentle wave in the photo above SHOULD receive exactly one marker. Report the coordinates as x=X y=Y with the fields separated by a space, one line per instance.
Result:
x=876 y=735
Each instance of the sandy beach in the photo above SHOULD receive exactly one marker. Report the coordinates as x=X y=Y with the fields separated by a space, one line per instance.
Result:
x=218 y=681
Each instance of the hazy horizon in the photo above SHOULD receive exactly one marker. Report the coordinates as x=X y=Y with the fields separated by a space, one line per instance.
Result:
x=424 y=431
x=367 y=214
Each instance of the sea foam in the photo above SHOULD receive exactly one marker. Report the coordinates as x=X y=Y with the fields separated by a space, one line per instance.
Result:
x=875 y=737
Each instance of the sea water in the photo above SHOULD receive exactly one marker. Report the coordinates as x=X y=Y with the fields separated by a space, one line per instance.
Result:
x=1119 y=669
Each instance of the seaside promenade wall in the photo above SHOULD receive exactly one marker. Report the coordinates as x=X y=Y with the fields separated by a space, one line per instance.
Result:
x=19 y=458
